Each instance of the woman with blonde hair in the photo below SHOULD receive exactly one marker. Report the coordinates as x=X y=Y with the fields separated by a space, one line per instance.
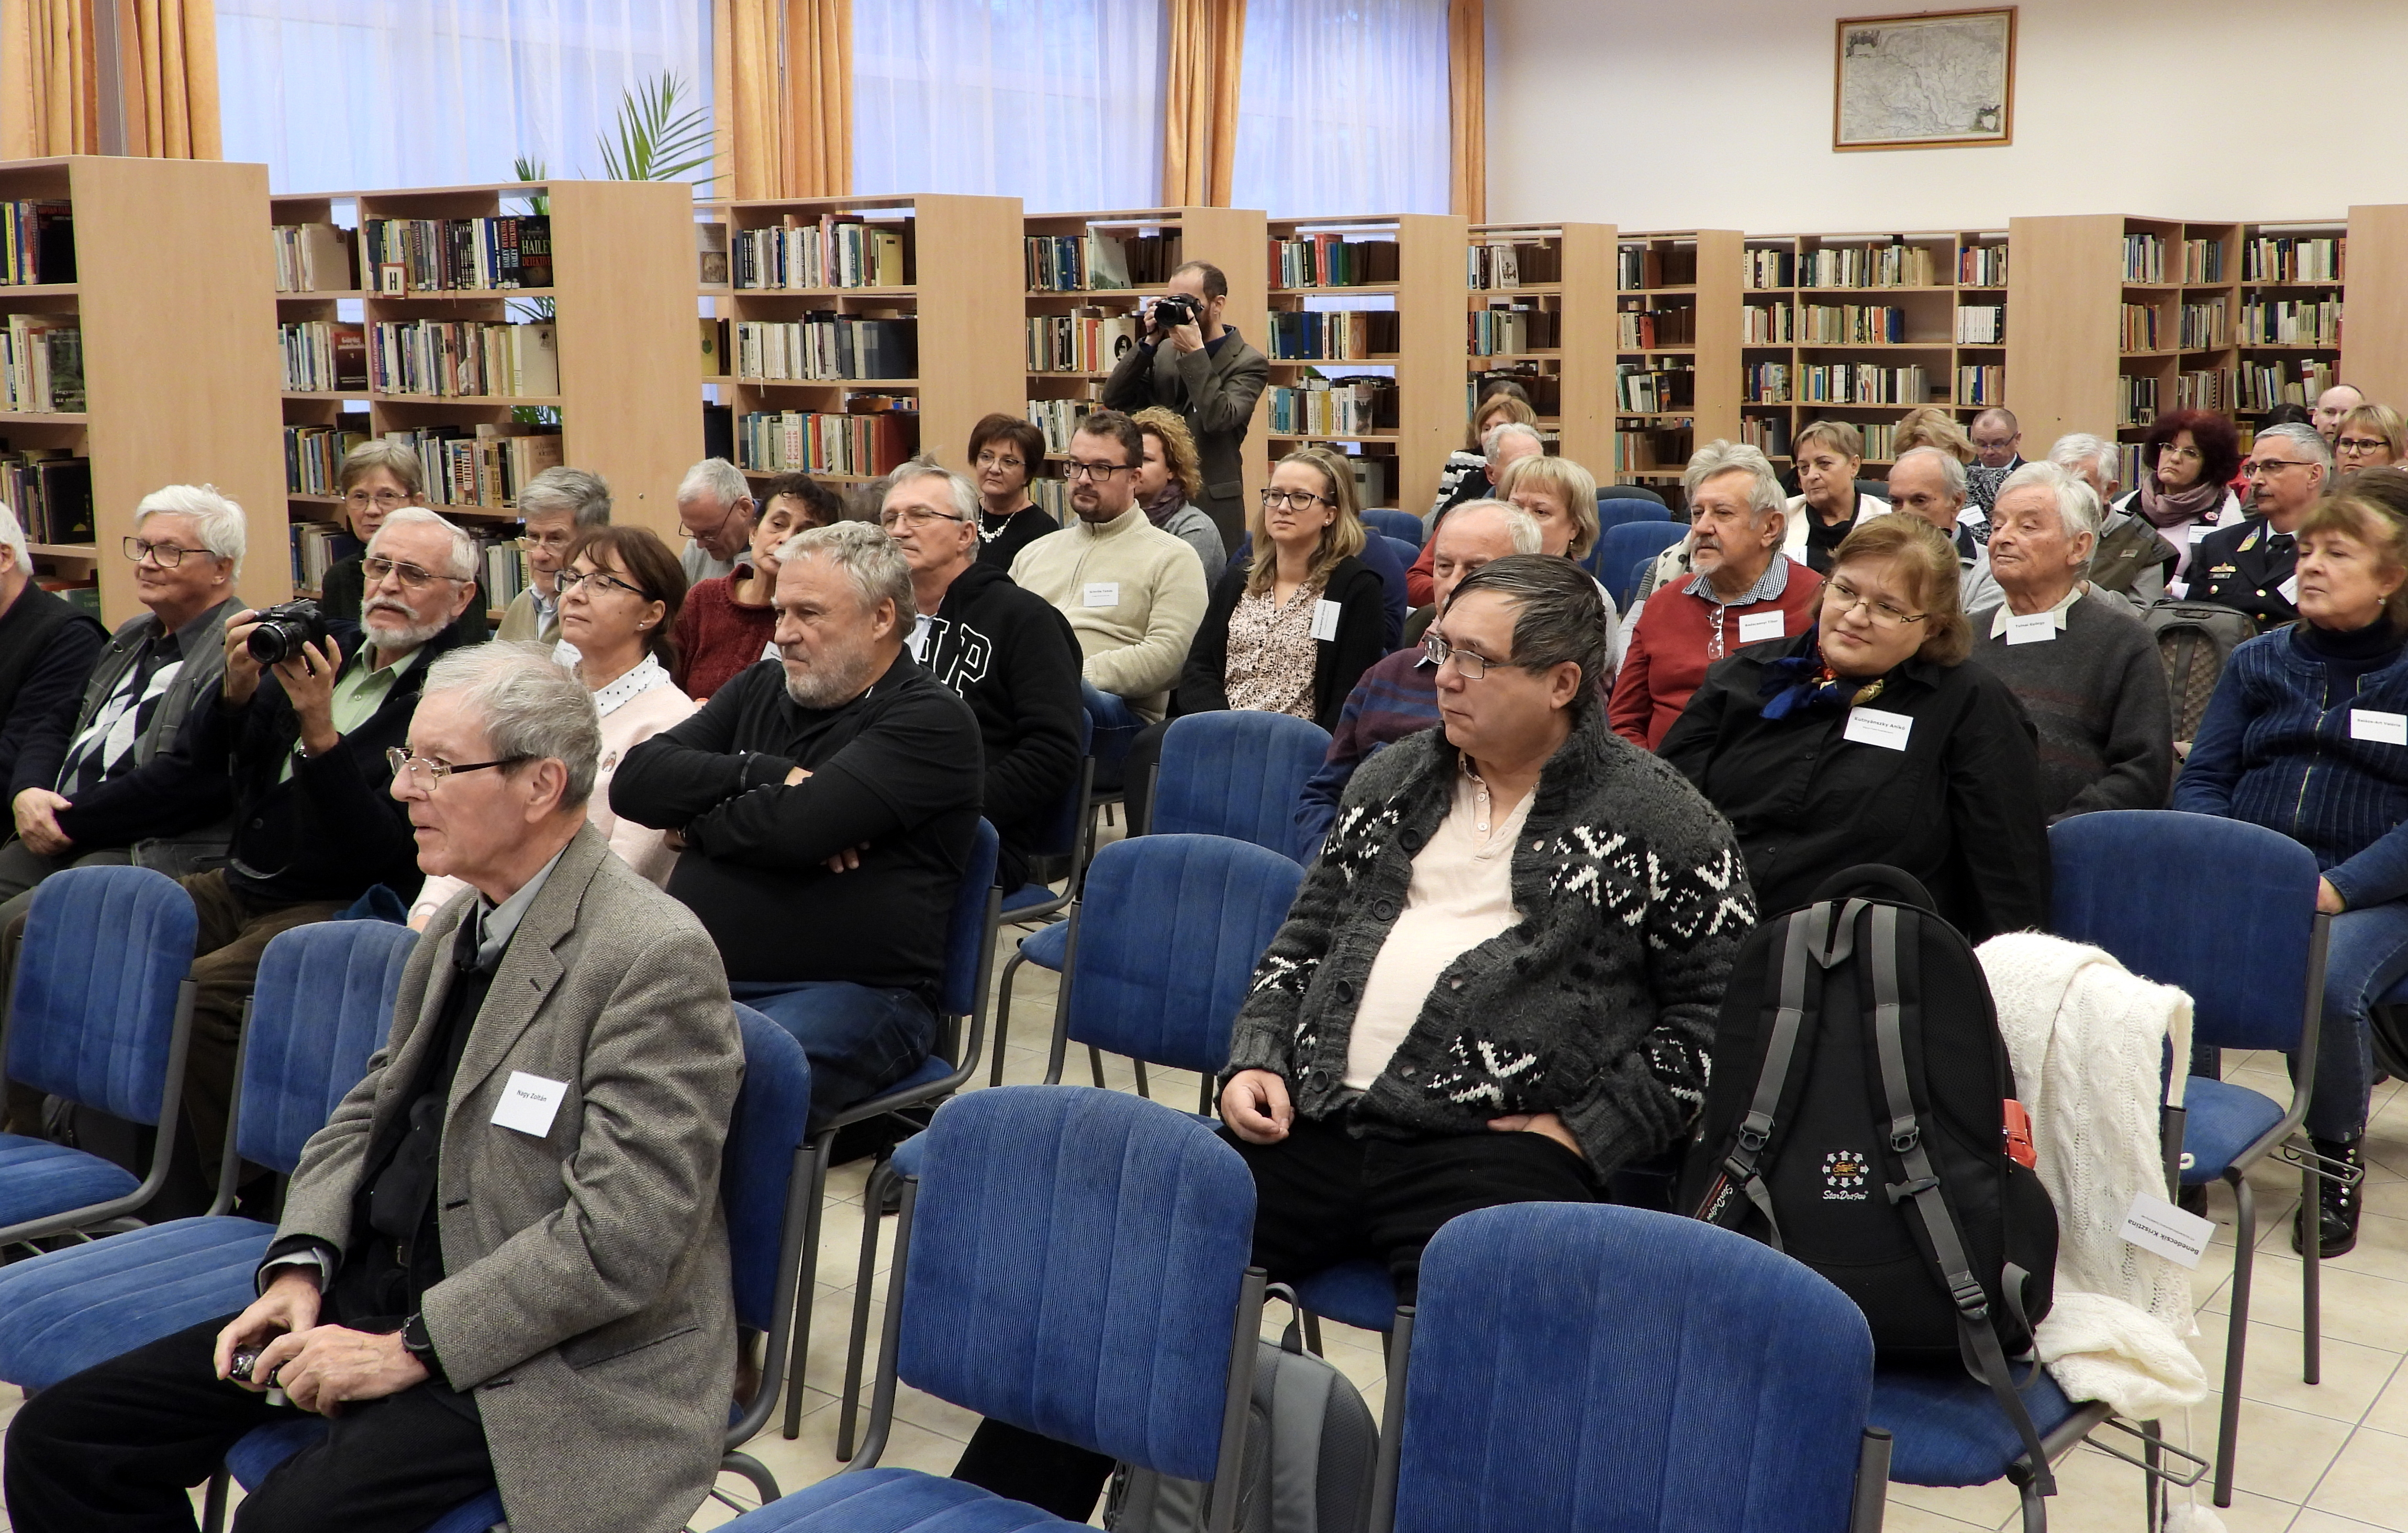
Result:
x=2370 y=436
x=1562 y=496
x=1168 y=481
x=1928 y=426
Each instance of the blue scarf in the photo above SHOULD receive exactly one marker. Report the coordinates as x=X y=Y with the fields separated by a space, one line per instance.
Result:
x=1801 y=683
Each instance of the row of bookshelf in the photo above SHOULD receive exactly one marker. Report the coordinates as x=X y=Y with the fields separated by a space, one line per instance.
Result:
x=831 y=251
x=828 y=346
x=41 y=366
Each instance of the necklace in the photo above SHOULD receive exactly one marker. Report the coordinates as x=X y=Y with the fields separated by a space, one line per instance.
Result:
x=986 y=537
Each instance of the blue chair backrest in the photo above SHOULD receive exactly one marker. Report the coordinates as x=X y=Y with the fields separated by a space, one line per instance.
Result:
x=1058 y=836
x=1169 y=928
x=2222 y=909
x=106 y=950
x=1621 y=510
x=1237 y=774
x=1625 y=549
x=1404 y=526
x=1075 y=1266
x=756 y=1169
x=965 y=934
x=322 y=1004
x=1584 y=1366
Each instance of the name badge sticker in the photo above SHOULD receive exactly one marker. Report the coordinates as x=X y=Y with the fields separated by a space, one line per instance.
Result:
x=1101 y=594
x=2290 y=590
x=1756 y=627
x=1878 y=726
x=2366 y=723
x=2156 y=1225
x=529 y=1103
x=2030 y=629
x=1324 y=619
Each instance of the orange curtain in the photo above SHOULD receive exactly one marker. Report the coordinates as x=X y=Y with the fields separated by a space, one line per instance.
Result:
x=785 y=97
x=168 y=77
x=1466 y=105
x=1200 y=132
x=47 y=105
x=168 y=66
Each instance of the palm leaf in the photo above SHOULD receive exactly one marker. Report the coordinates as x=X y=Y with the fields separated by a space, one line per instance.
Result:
x=652 y=140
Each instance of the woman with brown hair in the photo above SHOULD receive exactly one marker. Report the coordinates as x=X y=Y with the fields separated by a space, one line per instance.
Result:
x=1167 y=484
x=1868 y=739
x=2187 y=462
x=1006 y=453
x=724 y=627
x=377 y=479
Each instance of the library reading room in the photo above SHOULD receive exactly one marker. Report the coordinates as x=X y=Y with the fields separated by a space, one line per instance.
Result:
x=1730 y=677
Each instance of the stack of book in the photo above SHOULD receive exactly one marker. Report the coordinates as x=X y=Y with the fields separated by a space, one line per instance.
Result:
x=1330 y=260
x=2208 y=388
x=1654 y=447
x=2293 y=260
x=1867 y=266
x=833 y=253
x=1359 y=335
x=36 y=243
x=1982 y=324
x=1769 y=383
x=1495 y=267
x=1767 y=434
x=1770 y=269
x=1982 y=265
x=1862 y=383
x=505 y=570
x=1852 y=325
x=323 y=356
x=317 y=547
x=51 y=491
x=1984 y=385
x=1335 y=407
x=2202 y=262
x=865 y=444
x=314 y=258
x=2202 y=325
x=1881 y=441
x=483 y=466
x=1653 y=390
x=313 y=455
x=464 y=358
x=2308 y=322
x=1638 y=267
x=2136 y=399
x=41 y=365
x=2144 y=259
x=828 y=345
x=1085 y=340
x=1058 y=418
x=2264 y=385
x=2138 y=331
x=1096 y=261
x=1768 y=324
x=1645 y=329
x=456 y=255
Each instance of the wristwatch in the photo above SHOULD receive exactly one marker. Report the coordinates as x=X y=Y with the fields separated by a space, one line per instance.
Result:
x=415 y=1341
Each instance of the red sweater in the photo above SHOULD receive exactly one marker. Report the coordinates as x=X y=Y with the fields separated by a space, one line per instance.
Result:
x=1666 y=659
x=718 y=636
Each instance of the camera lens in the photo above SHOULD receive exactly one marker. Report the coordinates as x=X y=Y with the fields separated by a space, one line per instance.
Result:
x=272 y=643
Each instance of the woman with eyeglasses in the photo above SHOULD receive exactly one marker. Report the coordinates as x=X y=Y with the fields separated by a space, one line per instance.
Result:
x=377 y=477
x=619 y=592
x=1006 y=452
x=727 y=620
x=2370 y=436
x=1868 y=739
x=2187 y=463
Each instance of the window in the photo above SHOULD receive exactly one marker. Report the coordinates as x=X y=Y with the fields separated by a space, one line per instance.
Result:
x=1341 y=107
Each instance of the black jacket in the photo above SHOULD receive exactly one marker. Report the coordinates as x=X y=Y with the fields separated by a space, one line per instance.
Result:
x=47 y=649
x=1959 y=808
x=2234 y=566
x=998 y=546
x=1011 y=656
x=1338 y=662
x=334 y=830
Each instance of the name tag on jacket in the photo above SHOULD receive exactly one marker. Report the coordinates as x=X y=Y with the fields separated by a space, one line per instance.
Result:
x=2366 y=723
x=1756 y=627
x=1101 y=594
x=1877 y=726
x=529 y=1103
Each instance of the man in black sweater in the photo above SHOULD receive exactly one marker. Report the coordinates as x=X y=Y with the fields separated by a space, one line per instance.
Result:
x=47 y=649
x=1008 y=653
x=828 y=813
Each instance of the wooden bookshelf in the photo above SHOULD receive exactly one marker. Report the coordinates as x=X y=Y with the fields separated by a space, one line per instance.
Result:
x=1226 y=237
x=1427 y=299
x=961 y=285
x=173 y=295
x=2291 y=281
x=2377 y=333
x=1572 y=299
x=1690 y=281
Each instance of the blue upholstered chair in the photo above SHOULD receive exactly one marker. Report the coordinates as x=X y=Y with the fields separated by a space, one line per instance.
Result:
x=1589 y=1368
x=101 y=1017
x=1613 y=510
x=1072 y=1262
x=1404 y=526
x=322 y=1003
x=1625 y=550
x=1237 y=774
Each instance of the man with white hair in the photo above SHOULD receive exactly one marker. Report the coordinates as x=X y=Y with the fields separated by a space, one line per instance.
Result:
x=1928 y=483
x=2131 y=560
x=2333 y=405
x=47 y=647
x=2084 y=667
x=716 y=510
x=1506 y=444
x=1997 y=441
x=829 y=806
x=554 y=508
x=2252 y=565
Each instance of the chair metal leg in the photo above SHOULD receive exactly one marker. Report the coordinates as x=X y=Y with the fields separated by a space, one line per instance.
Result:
x=807 y=1284
x=2312 y=1271
x=765 y=1484
x=1873 y=1480
x=1095 y=1063
x=2152 y=1494
x=213 y=1505
x=1003 y=1014
x=1142 y=1090
x=2236 y=1345
x=872 y=1199
x=1312 y=1330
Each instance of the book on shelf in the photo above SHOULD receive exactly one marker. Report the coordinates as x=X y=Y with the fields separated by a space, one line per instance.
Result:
x=1862 y=383
x=481 y=466
x=2264 y=385
x=719 y=431
x=1545 y=389
x=313 y=455
x=1641 y=266
x=2136 y=399
x=2291 y=321
x=715 y=337
x=1767 y=434
x=832 y=251
x=454 y=358
x=1335 y=407
x=1085 y=340
x=1881 y=439
x=1502 y=266
x=2201 y=325
x=41 y=365
x=2202 y=262
x=2128 y=467
x=2205 y=388
x=323 y=356
x=1851 y=324
x=1642 y=390
x=828 y=345
x=1058 y=418
x=2290 y=259
x=710 y=254
x=1096 y=261
x=1865 y=266
x=2137 y=329
x=505 y=570
x=317 y=547
x=1982 y=324
x=1770 y=383
x=1330 y=260
x=315 y=258
x=456 y=255
x=1984 y=385
x=1767 y=269
x=1982 y=265
x=1642 y=447
x=865 y=444
x=2144 y=259
x=1349 y=334
x=1373 y=474
x=1768 y=324
x=1644 y=329
x=50 y=488
x=36 y=243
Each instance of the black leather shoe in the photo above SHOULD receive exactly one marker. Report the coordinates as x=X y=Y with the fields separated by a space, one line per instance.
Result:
x=2337 y=1204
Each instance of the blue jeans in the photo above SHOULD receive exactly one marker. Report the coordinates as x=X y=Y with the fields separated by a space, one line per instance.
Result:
x=1116 y=726
x=2367 y=955
x=860 y=1040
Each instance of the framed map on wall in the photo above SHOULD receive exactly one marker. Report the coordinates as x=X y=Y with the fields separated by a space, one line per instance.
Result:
x=1928 y=80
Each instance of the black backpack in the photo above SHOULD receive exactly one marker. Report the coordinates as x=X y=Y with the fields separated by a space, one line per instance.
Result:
x=1856 y=1120
x=2194 y=639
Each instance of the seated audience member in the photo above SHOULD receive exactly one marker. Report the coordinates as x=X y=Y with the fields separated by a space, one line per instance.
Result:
x=1998 y=439
x=1006 y=452
x=1399 y=697
x=1868 y=739
x=2332 y=408
x=376 y=478
x=1497 y=984
x=2130 y=560
x=1745 y=591
x=472 y=1300
x=1008 y=654
x=1506 y=444
x=724 y=625
x=1134 y=606
x=1829 y=454
x=2251 y=566
x=1167 y=484
x=46 y=650
x=619 y=600
x=1927 y=484
x=2370 y=436
x=716 y=511
x=2187 y=460
x=2281 y=747
x=2085 y=668
x=828 y=807
x=1464 y=474
x=1930 y=425
x=554 y=508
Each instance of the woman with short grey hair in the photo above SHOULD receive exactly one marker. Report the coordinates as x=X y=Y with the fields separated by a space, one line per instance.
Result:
x=377 y=479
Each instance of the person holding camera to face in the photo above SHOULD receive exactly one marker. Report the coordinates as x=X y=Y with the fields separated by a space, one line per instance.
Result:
x=1192 y=363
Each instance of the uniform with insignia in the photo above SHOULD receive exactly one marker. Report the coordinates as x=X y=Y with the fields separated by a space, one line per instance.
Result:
x=2248 y=566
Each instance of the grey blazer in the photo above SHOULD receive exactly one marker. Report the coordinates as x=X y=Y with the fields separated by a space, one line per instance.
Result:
x=1216 y=395
x=197 y=848
x=587 y=1305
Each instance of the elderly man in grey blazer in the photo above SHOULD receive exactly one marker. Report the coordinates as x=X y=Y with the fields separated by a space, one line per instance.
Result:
x=502 y=1261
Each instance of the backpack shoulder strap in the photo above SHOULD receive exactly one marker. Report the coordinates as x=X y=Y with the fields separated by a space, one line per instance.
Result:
x=1977 y=1339
x=1299 y=1406
x=1807 y=931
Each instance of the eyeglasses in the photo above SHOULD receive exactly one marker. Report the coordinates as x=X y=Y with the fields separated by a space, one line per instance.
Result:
x=914 y=516
x=1840 y=600
x=2361 y=444
x=1077 y=470
x=165 y=555
x=2260 y=467
x=529 y=540
x=429 y=773
x=1296 y=499
x=1468 y=664
x=570 y=579
x=2181 y=454
x=1000 y=460
x=360 y=500
x=411 y=577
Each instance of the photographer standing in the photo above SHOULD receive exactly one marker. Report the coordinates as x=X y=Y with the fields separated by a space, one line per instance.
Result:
x=1192 y=363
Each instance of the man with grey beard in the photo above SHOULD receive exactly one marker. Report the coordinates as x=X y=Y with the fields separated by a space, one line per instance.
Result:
x=828 y=815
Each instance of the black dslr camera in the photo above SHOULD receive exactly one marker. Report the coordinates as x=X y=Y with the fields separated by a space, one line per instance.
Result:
x=1171 y=312
x=284 y=628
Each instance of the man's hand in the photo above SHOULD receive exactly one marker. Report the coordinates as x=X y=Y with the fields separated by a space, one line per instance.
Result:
x=241 y=670
x=1256 y=1107
x=1186 y=337
x=847 y=859
x=319 y=1370
x=38 y=821
x=308 y=679
x=1538 y=1123
x=290 y=1305
x=2328 y=901
x=795 y=775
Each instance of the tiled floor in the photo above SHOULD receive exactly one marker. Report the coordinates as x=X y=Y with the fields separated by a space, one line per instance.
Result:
x=2331 y=1458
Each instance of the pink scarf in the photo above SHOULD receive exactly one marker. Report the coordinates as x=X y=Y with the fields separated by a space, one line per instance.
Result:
x=2165 y=510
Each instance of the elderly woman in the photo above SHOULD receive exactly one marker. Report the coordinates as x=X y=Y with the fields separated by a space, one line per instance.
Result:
x=1167 y=484
x=1928 y=426
x=2130 y=560
x=2187 y=461
x=1497 y=985
x=2370 y=436
x=377 y=477
x=1006 y=452
x=1828 y=455
x=723 y=628
x=2084 y=667
x=1464 y=476
x=1868 y=739
x=619 y=598
x=1743 y=591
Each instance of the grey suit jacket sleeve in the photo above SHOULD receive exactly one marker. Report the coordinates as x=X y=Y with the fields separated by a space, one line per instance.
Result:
x=1220 y=398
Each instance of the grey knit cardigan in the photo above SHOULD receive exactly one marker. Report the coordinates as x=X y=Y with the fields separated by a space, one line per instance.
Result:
x=1598 y=1004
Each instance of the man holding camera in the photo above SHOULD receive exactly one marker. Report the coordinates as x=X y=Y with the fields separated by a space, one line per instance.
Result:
x=1194 y=363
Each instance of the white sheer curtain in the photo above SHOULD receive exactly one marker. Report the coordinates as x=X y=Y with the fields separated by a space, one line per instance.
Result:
x=1341 y=107
x=359 y=95
x=1055 y=102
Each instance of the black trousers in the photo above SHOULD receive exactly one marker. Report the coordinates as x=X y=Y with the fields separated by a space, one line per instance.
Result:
x=117 y=1448
x=1322 y=1197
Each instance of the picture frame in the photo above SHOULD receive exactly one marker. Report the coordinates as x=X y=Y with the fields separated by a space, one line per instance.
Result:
x=1924 y=80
